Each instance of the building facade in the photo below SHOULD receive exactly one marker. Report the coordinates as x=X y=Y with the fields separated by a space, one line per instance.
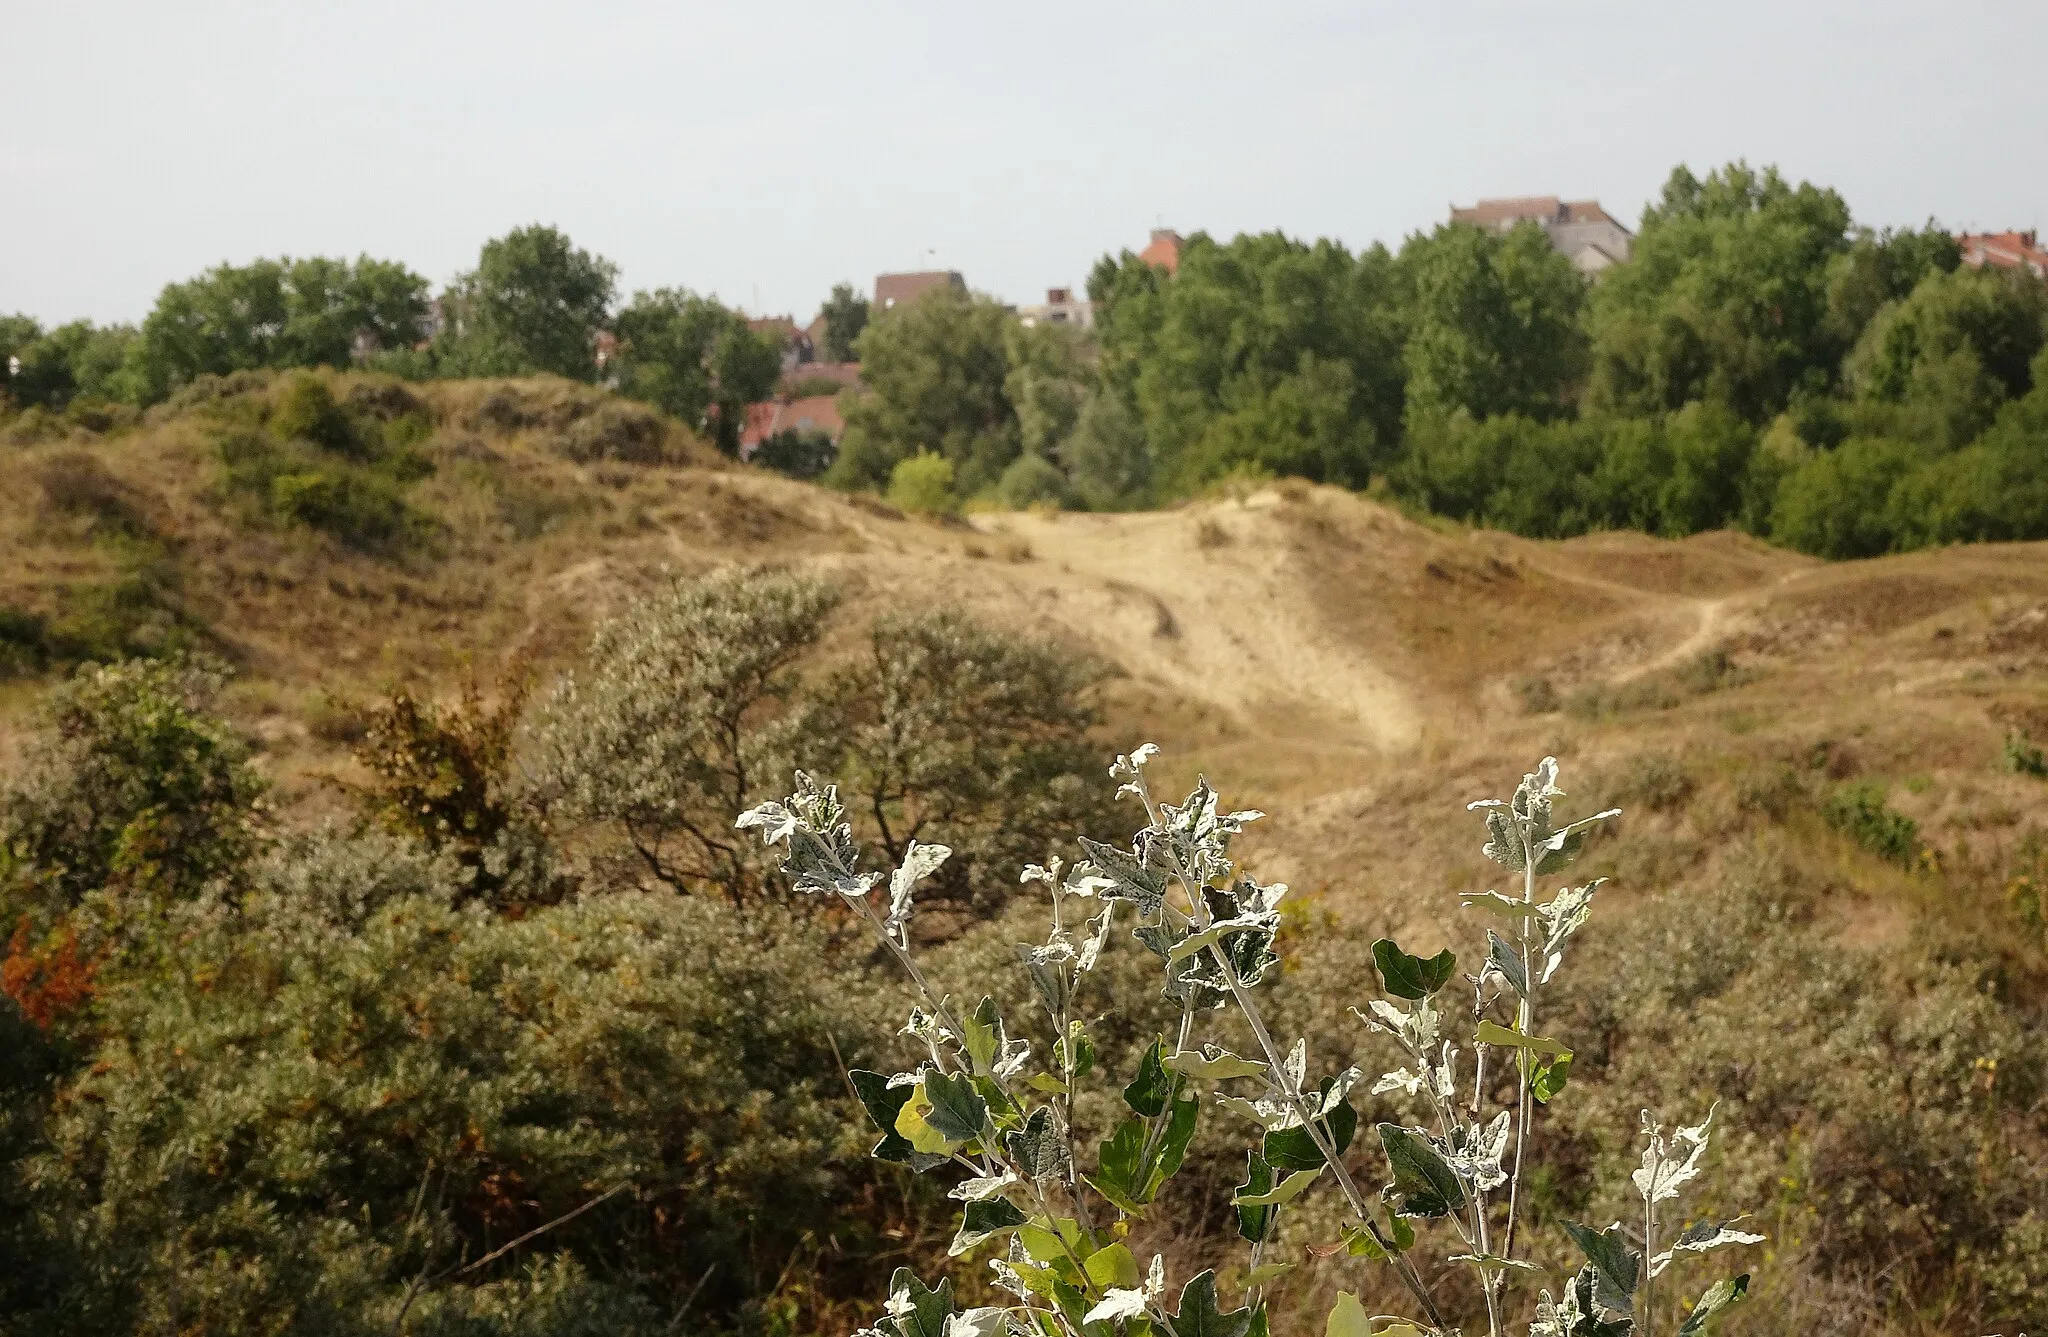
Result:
x=1060 y=307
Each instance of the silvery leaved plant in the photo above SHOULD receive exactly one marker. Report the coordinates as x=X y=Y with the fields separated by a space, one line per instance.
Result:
x=1472 y=1072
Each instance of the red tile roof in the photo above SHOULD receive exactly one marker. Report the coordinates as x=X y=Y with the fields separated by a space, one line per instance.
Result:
x=2004 y=250
x=1163 y=250
x=818 y=413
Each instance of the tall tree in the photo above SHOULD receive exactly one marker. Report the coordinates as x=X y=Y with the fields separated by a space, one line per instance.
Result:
x=1265 y=352
x=277 y=313
x=1951 y=352
x=935 y=371
x=846 y=315
x=1725 y=298
x=695 y=359
x=1493 y=323
x=534 y=303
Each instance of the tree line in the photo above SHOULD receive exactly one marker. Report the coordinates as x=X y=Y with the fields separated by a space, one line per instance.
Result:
x=534 y=303
x=1760 y=361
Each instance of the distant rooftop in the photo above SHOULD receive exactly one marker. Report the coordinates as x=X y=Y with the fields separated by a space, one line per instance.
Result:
x=895 y=289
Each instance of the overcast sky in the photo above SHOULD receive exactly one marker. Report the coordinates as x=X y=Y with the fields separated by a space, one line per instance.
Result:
x=763 y=151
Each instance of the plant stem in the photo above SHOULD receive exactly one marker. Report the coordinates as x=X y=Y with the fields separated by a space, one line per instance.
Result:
x=1277 y=1067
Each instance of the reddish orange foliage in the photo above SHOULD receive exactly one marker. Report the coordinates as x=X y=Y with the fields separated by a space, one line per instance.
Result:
x=48 y=981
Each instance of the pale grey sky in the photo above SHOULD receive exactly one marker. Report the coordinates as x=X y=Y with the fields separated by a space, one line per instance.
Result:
x=764 y=151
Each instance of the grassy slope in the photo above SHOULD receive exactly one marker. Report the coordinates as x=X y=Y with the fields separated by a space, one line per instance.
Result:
x=1357 y=673
x=1353 y=671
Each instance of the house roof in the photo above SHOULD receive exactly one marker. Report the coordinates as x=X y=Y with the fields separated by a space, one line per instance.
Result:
x=818 y=413
x=1542 y=208
x=895 y=289
x=2005 y=250
x=1589 y=211
x=1163 y=250
x=1492 y=213
x=845 y=373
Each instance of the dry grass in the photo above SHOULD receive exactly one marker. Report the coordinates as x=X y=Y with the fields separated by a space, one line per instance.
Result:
x=1315 y=653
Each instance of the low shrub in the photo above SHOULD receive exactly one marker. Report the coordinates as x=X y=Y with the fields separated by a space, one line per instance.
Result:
x=2021 y=757
x=923 y=484
x=797 y=452
x=1859 y=812
x=616 y=430
x=305 y=410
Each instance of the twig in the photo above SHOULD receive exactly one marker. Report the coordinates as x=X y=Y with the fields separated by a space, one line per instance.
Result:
x=691 y=1298
x=564 y=1219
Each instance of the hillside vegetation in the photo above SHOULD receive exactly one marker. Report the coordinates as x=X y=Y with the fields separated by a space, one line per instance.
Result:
x=1836 y=815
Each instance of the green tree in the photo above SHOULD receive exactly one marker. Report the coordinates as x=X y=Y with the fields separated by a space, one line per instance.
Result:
x=1265 y=352
x=1493 y=323
x=1049 y=379
x=534 y=303
x=1883 y=267
x=1725 y=298
x=1952 y=351
x=76 y=361
x=276 y=313
x=696 y=361
x=131 y=791
x=935 y=371
x=1107 y=459
x=846 y=315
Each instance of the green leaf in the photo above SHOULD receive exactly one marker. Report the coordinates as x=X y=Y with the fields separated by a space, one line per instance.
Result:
x=1410 y=976
x=1119 y=1171
x=1294 y=1149
x=958 y=1113
x=1080 y=1046
x=1214 y=1064
x=1266 y=1272
x=1039 y=1148
x=982 y=1219
x=1505 y=906
x=1150 y=1089
x=921 y=1312
x=1199 y=1315
x=1719 y=1296
x=1549 y=1075
x=1503 y=957
x=1618 y=1267
x=1114 y=1266
x=1359 y=1243
x=1348 y=1318
x=913 y=1125
x=1425 y=1185
x=1047 y=1241
x=984 y=1037
x=1285 y=1191
x=1173 y=1144
x=884 y=1103
x=1046 y=1082
x=1493 y=1033
x=1253 y=1223
x=1495 y=1261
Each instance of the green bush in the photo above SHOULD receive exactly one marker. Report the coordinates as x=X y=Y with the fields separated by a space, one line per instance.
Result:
x=796 y=452
x=2021 y=757
x=1858 y=811
x=1031 y=480
x=923 y=484
x=306 y=411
